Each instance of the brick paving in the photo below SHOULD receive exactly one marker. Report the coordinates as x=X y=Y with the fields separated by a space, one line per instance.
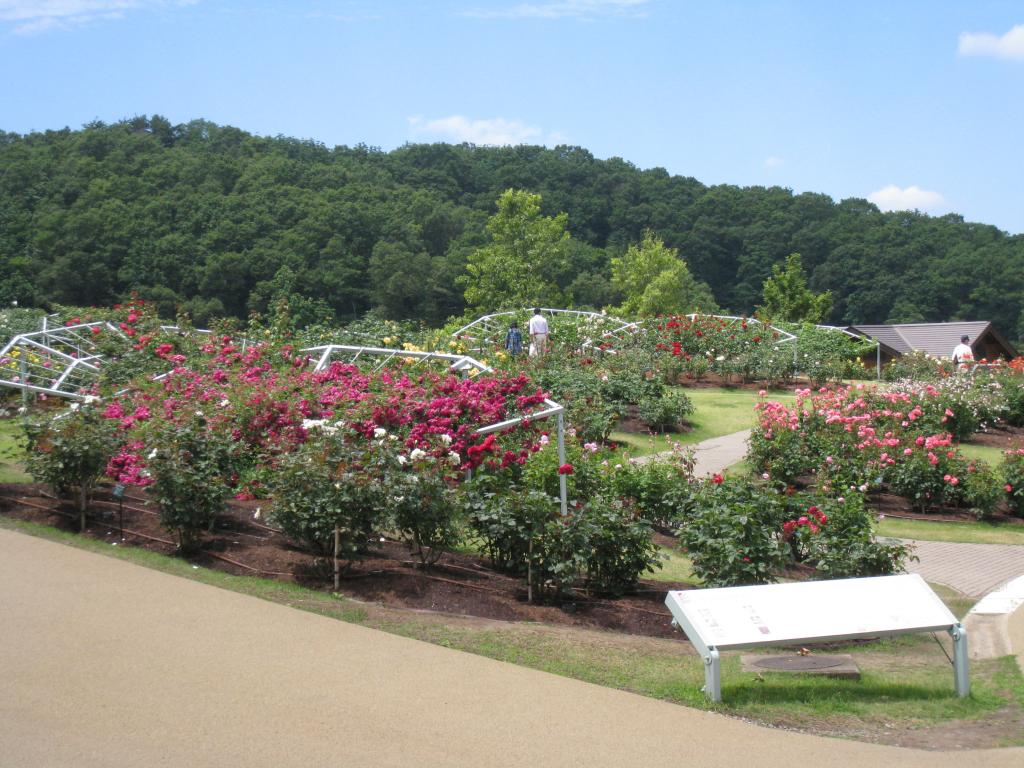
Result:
x=973 y=569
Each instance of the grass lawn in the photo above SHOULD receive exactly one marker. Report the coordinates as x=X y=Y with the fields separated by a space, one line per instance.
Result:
x=717 y=411
x=12 y=453
x=906 y=682
x=988 y=453
x=967 y=532
x=675 y=567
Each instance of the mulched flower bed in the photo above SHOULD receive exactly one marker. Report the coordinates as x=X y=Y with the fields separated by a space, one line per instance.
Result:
x=458 y=583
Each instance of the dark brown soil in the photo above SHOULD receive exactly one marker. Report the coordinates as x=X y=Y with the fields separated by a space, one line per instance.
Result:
x=891 y=505
x=458 y=583
x=1004 y=438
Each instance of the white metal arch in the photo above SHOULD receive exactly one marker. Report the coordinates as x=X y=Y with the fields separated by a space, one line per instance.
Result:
x=488 y=331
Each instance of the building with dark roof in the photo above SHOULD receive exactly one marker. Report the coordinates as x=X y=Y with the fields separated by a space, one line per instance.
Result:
x=937 y=339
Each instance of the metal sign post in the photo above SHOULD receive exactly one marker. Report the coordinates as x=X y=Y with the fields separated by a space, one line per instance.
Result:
x=118 y=493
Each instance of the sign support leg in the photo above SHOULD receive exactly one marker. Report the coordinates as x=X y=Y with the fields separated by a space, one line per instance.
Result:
x=961 y=678
x=713 y=675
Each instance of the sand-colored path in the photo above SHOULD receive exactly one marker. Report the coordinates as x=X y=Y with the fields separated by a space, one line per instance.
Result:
x=104 y=663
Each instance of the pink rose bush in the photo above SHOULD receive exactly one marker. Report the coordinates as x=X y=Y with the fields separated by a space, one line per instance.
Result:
x=859 y=438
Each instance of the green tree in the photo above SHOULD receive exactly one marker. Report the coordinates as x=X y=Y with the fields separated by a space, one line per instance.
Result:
x=654 y=280
x=787 y=297
x=527 y=250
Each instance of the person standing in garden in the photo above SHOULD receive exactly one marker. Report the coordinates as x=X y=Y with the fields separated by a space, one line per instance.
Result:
x=963 y=355
x=538 y=333
x=514 y=339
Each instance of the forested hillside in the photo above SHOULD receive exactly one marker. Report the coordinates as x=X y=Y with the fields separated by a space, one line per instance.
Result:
x=217 y=221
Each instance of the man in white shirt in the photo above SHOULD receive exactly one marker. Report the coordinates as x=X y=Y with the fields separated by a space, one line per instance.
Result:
x=538 y=333
x=963 y=355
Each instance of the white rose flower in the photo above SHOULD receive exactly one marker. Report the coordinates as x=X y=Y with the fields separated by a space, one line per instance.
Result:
x=380 y=432
x=446 y=439
x=417 y=454
x=454 y=458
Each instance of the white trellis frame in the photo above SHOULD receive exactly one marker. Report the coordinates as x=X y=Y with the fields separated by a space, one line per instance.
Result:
x=63 y=361
x=488 y=331
x=461 y=364
x=785 y=337
x=858 y=337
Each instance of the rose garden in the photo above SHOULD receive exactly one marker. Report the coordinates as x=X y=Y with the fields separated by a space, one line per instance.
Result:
x=398 y=478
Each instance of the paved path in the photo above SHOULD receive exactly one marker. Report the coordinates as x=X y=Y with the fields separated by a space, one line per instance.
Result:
x=973 y=569
x=104 y=663
x=713 y=455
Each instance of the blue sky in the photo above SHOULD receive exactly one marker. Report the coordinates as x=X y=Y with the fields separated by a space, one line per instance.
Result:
x=910 y=103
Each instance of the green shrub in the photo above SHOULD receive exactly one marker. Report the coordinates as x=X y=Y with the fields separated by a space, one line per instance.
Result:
x=743 y=533
x=845 y=546
x=505 y=518
x=424 y=507
x=617 y=547
x=334 y=482
x=1013 y=475
x=930 y=476
x=667 y=411
x=732 y=535
x=917 y=366
x=982 y=489
x=190 y=479
x=654 y=487
x=70 y=453
x=1012 y=389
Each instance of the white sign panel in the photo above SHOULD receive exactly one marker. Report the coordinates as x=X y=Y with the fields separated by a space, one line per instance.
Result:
x=774 y=614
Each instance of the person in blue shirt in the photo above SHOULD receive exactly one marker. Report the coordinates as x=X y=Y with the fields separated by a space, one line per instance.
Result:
x=514 y=340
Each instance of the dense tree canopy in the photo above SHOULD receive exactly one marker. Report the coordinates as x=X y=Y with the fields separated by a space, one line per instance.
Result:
x=655 y=281
x=213 y=220
x=787 y=297
x=518 y=268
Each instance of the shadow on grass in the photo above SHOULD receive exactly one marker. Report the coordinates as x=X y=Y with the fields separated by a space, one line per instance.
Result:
x=832 y=690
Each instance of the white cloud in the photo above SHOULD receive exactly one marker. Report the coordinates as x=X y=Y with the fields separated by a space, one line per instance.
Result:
x=496 y=131
x=1009 y=46
x=562 y=9
x=29 y=17
x=912 y=198
x=773 y=162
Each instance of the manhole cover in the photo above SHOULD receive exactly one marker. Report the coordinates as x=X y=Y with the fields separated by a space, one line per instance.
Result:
x=798 y=663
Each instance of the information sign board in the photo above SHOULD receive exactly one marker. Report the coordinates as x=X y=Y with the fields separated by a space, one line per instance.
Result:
x=815 y=611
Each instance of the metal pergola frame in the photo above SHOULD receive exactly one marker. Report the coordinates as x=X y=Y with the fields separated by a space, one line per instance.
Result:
x=461 y=364
x=66 y=360
x=487 y=331
x=858 y=337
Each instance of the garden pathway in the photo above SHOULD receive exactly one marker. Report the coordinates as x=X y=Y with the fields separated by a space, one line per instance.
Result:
x=105 y=663
x=972 y=569
x=713 y=455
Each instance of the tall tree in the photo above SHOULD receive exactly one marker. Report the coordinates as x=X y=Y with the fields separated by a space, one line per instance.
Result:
x=654 y=280
x=527 y=250
x=787 y=297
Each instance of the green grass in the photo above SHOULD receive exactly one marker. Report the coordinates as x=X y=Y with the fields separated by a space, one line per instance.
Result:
x=988 y=453
x=675 y=567
x=906 y=682
x=965 y=532
x=12 y=453
x=717 y=411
